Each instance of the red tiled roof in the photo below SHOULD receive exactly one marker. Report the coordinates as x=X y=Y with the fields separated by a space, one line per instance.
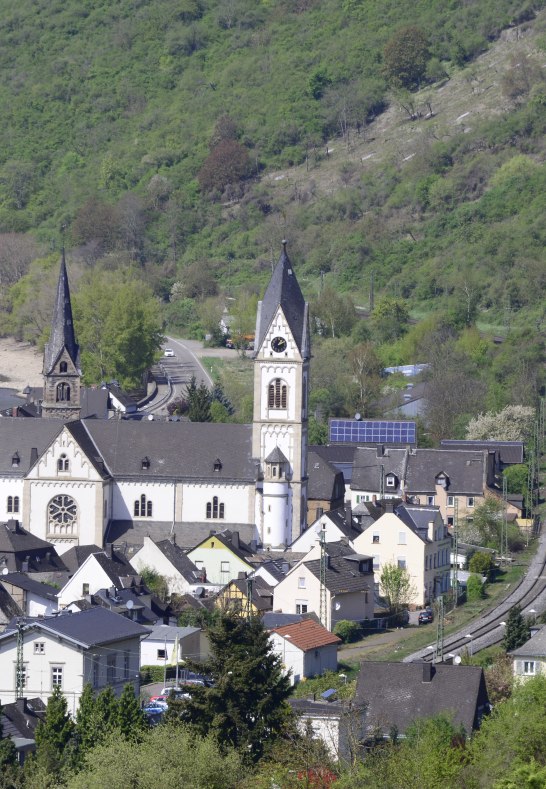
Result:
x=307 y=635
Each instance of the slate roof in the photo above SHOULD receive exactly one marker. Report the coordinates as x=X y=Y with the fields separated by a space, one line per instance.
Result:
x=22 y=581
x=467 y=471
x=188 y=535
x=508 y=451
x=76 y=556
x=276 y=456
x=8 y=606
x=307 y=635
x=22 y=436
x=117 y=568
x=262 y=593
x=232 y=541
x=62 y=326
x=175 y=450
x=417 y=517
x=325 y=481
x=284 y=291
x=534 y=647
x=274 y=619
x=18 y=546
x=94 y=403
x=367 y=468
x=179 y=560
x=87 y=628
x=342 y=574
x=169 y=632
x=394 y=694
x=20 y=719
x=350 y=528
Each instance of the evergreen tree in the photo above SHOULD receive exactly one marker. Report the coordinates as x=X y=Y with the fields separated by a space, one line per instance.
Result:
x=517 y=630
x=199 y=399
x=8 y=754
x=105 y=715
x=246 y=706
x=84 y=720
x=131 y=722
x=53 y=733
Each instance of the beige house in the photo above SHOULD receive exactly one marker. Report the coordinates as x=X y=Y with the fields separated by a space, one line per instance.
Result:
x=416 y=538
x=348 y=592
x=530 y=659
x=222 y=556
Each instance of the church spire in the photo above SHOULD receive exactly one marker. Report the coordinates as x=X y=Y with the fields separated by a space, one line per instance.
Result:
x=62 y=335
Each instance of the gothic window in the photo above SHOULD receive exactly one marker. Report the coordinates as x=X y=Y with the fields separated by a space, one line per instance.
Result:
x=13 y=503
x=143 y=507
x=215 y=509
x=62 y=515
x=63 y=463
x=63 y=367
x=277 y=396
x=63 y=393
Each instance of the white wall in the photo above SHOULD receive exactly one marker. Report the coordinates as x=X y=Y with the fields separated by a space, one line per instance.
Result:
x=189 y=646
x=39 y=606
x=304 y=664
x=161 y=494
x=90 y=573
x=150 y=556
x=11 y=486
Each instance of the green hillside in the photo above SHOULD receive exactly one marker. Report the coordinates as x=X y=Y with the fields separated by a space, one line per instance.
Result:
x=182 y=140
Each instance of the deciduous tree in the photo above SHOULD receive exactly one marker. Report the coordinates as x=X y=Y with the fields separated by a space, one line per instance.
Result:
x=405 y=57
x=396 y=587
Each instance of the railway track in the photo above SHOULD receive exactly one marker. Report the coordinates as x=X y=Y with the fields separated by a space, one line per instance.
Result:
x=488 y=630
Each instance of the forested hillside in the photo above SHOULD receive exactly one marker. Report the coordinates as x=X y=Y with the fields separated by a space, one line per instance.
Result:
x=178 y=142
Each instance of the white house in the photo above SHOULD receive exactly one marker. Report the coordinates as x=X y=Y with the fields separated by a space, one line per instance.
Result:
x=32 y=597
x=348 y=587
x=335 y=525
x=96 y=647
x=306 y=648
x=170 y=561
x=98 y=571
x=159 y=648
x=529 y=660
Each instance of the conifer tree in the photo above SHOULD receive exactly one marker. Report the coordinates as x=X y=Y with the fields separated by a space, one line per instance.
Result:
x=199 y=399
x=517 y=630
x=131 y=722
x=246 y=707
x=105 y=715
x=84 y=720
x=54 y=733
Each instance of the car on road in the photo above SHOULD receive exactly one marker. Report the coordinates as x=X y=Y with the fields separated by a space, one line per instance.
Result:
x=168 y=352
x=426 y=616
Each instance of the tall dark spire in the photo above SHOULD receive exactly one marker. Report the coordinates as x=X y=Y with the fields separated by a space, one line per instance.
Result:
x=284 y=291
x=62 y=328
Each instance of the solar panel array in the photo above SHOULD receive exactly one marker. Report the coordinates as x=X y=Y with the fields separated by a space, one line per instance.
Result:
x=353 y=431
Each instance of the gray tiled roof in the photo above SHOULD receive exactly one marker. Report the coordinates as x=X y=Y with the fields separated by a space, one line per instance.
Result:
x=22 y=581
x=88 y=628
x=508 y=451
x=276 y=456
x=394 y=694
x=417 y=517
x=188 y=535
x=179 y=560
x=18 y=545
x=367 y=468
x=170 y=632
x=284 y=291
x=62 y=326
x=467 y=471
x=349 y=529
x=76 y=556
x=21 y=436
x=175 y=450
x=116 y=568
x=342 y=574
x=535 y=647
x=325 y=481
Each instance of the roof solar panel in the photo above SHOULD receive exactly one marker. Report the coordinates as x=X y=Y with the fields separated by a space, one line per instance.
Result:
x=349 y=431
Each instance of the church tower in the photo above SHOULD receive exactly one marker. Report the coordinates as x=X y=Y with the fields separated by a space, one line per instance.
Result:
x=281 y=382
x=62 y=358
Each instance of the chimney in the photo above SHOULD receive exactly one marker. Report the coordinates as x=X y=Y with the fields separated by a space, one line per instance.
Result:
x=430 y=532
x=348 y=513
x=428 y=672
x=389 y=505
x=109 y=548
x=241 y=575
x=33 y=456
x=235 y=539
x=253 y=546
x=380 y=451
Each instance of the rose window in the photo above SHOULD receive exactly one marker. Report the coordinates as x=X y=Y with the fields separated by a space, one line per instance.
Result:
x=62 y=512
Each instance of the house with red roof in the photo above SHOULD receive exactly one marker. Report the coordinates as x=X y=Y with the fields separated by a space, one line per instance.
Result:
x=306 y=649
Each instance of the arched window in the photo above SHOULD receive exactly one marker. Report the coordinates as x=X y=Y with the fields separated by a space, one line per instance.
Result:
x=63 y=393
x=63 y=367
x=62 y=515
x=215 y=508
x=277 y=397
x=63 y=463
x=143 y=507
x=13 y=503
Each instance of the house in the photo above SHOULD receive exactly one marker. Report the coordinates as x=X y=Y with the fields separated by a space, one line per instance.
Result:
x=21 y=551
x=335 y=525
x=136 y=603
x=529 y=660
x=506 y=453
x=272 y=570
x=348 y=588
x=222 y=556
x=339 y=456
x=332 y=721
x=394 y=695
x=32 y=597
x=235 y=596
x=172 y=562
x=98 y=571
x=378 y=472
x=166 y=644
x=75 y=481
x=19 y=722
x=325 y=488
x=307 y=649
x=415 y=538
x=70 y=651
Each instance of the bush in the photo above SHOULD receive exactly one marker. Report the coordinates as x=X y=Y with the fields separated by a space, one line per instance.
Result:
x=475 y=590
x=347 y=630
x=482 y=564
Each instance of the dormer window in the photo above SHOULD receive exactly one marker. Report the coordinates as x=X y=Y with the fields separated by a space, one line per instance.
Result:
x=217 y=465
x=15 y=460
x=442 y=480
x=145 y=462
x=390 y=480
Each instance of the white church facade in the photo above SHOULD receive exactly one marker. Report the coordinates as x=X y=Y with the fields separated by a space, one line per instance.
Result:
x=78 y=482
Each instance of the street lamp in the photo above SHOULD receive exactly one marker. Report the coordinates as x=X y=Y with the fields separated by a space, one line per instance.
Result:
x=343 y=677
x=470 y=636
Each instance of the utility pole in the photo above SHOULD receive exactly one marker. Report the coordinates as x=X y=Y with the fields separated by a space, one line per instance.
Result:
x=323 y=613
x=371 y=291
x=440 y=631
x=382 y=483
x=456 y=550
x=19 y=664
x=504 y=524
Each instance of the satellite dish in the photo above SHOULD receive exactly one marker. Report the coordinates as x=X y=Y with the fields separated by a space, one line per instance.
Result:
x=5 y=571
x=338 y=606
x=358 y=416
x=457 y=660
x=150 y=417
x=129 y=604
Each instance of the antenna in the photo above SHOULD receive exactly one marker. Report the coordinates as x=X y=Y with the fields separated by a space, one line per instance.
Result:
x=323 y=614
x=129 y=604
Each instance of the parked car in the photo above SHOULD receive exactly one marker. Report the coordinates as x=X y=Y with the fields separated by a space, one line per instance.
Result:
x=168 y=352
x=426 y=616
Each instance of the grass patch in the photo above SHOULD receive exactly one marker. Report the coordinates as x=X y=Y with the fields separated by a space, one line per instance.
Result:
x=236 y=378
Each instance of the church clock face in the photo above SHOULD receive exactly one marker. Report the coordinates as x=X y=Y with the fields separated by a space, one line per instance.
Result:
x=278 y=344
